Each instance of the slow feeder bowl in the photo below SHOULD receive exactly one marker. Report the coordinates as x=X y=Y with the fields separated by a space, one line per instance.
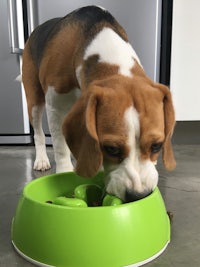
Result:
x=47 y=234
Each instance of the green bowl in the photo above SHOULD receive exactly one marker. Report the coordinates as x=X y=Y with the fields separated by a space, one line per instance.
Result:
x=47 y=234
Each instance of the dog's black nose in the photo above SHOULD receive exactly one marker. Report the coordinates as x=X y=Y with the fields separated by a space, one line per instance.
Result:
x=131 y=196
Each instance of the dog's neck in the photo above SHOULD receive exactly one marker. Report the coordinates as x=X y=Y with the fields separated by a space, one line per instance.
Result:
x=107 y=54
x=92 y=72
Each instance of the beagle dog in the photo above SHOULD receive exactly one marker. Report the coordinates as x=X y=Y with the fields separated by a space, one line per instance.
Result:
x=101 y=106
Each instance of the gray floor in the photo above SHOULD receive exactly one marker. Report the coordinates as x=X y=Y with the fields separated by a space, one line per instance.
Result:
x=180 y=189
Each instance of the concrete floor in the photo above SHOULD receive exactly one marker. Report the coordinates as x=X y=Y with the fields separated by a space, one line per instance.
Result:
x=180 y=190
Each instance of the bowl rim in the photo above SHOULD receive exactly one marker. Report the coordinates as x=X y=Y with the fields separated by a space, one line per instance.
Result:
x=123 y=205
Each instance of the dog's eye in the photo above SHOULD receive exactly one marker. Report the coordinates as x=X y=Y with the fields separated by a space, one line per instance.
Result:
x=155 y=148
x=112 y=151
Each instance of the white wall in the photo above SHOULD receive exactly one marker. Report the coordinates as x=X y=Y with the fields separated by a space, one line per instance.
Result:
x=185 y=61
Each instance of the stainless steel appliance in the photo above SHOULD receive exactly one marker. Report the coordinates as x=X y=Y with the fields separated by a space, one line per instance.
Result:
x=14 y=125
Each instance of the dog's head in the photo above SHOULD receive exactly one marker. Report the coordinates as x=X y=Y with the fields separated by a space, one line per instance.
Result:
x=123 y=129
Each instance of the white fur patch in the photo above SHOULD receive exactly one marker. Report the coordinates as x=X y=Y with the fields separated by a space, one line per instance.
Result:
x=147 y=176
x=133 y=124
x=102 y=8
x=112 y=49
x=78 y=74
x=133 y=174
x=41 y=161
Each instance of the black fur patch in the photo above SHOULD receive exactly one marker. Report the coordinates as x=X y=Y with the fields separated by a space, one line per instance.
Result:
x=40 y=37
x=92 y=15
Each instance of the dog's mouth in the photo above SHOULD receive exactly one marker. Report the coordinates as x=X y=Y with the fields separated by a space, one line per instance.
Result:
x=122 y=185
x=131 y=196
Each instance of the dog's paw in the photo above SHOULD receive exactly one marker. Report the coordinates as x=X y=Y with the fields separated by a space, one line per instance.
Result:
x=42 y=164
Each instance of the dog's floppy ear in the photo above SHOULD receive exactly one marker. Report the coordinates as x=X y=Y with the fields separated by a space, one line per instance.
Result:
x=79 y=129
x=169 y=117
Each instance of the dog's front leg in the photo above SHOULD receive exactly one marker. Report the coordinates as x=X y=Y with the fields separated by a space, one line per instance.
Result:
x=41 y=161
x=57 y=106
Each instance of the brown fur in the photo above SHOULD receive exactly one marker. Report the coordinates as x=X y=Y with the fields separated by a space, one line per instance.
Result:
x=97 y=117
x=100 y=111
x=30 y=77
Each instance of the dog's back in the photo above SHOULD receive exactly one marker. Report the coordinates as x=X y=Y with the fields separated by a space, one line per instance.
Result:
x=66 y=31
